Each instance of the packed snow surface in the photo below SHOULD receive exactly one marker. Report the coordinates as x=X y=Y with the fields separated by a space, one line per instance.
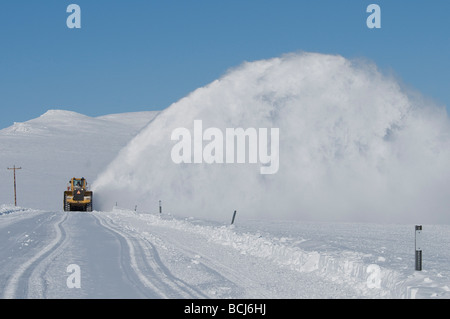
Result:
x=128 y=254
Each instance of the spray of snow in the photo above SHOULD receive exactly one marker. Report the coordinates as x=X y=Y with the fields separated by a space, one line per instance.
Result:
x=353 y=145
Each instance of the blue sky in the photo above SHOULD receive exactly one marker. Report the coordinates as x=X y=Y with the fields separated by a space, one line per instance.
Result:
x=140 y=55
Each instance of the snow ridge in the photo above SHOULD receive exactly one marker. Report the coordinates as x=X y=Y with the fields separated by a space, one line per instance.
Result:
x=344 y=267
x=8 y=209
x=348 y=268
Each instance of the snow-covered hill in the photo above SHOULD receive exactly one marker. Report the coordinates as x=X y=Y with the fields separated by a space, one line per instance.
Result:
x=57 y=146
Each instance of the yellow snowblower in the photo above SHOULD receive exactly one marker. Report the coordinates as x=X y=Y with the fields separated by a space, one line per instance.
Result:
x=77 y=197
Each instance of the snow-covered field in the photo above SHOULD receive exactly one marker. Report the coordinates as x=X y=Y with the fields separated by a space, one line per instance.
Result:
x=128 y=254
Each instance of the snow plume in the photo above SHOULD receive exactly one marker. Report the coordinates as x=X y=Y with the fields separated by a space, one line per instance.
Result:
x=353 y=146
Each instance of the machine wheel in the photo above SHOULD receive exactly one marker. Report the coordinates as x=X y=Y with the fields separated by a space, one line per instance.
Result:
x=89 y=205
x=66 y=204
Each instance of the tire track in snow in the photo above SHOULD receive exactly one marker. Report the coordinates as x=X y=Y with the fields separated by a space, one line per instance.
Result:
x=225 y=275
x=148 y=267
x=152 y=260
x=19 y=280
x=220 y=269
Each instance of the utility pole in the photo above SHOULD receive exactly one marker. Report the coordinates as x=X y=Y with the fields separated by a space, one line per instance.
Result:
x=14 y=169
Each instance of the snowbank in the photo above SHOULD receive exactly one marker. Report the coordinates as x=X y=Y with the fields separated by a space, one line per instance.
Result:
x=8 y=209
x=381 y=269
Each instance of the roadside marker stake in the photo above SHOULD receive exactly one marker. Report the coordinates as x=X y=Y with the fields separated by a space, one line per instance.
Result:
x=418 y=247
x=234 y=216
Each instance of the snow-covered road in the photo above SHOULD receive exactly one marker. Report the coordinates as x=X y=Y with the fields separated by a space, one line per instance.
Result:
x=36 y=251
x=123 y=254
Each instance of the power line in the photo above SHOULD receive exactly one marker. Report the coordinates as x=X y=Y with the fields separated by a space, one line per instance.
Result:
x=14 y=169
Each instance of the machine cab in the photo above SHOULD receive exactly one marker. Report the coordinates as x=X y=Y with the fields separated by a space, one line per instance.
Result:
x=77 y=183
